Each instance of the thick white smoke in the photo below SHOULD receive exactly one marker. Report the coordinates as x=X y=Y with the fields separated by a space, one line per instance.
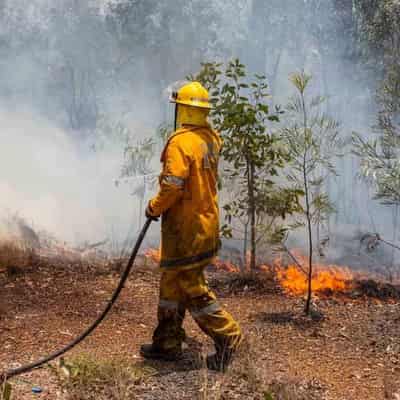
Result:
x=47 y=180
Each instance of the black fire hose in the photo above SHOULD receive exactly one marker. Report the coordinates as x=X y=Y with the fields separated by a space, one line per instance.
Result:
x=4 y=376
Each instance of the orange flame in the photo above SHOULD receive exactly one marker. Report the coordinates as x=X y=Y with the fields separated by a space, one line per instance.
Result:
x=153 y=254
x=325 y=277
x=292 y=279
x=226 y=265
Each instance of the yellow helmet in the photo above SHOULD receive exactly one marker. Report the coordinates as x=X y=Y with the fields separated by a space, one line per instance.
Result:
x=192 y=94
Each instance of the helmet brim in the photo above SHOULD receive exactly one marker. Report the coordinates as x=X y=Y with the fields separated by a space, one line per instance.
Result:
x=198 y=104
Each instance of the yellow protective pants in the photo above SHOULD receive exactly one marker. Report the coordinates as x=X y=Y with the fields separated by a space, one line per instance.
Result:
x=188 y=290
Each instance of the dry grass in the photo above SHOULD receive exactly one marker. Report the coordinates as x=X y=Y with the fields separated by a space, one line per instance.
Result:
x=244 y=282
x=15 y=258
x=295 y=390
x=88 y=378
x=249 y=377
x=245 y=376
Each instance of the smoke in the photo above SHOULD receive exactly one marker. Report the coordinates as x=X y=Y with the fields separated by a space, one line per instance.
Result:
x=49 y=181
x=67 y=64
x=317 y=36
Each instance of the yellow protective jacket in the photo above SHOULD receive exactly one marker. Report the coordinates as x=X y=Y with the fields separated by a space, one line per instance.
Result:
x=187 y=198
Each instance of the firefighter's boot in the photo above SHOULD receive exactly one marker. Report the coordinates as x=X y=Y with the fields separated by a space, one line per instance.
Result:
x=153 y=352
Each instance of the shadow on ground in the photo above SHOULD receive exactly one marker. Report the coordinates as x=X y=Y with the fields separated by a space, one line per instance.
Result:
x=299 y=321
x=193 y=360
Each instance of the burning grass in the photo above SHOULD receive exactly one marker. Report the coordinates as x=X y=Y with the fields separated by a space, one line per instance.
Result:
x=326 y=279
x=153 y=255
x=227 y=277
x=225 y=265
x=293 y=278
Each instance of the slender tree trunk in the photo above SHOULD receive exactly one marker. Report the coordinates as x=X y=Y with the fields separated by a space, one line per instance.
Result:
x=246 y=235
x=328 y=111
x=395 y=221
x=318 y=234
x=252 y=218
x=310 y=243
x=308 y=213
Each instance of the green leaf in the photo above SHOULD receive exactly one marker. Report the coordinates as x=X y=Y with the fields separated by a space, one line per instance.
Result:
x=300 y=81
x=268 y=396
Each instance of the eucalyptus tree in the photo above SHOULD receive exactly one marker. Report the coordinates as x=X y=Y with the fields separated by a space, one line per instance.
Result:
x=379 y=34
x=380 y=156
x=378 y=30
x=324 y=36
x=81 y=57
x=166 y=39
x=312 y=140
x=271 y=36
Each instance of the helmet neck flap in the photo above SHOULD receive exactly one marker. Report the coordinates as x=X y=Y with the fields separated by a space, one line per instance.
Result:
x=187 y=115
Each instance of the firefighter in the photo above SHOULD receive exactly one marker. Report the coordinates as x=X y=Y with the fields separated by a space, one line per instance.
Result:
x=188 y=204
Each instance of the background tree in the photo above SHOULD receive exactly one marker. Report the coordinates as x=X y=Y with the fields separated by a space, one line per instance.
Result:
x=76 y=62
x=380 y=157
x=138 y=165
x=379 y=34
x=312 y=140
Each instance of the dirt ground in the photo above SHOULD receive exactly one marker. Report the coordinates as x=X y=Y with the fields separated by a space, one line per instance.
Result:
x=349 y=351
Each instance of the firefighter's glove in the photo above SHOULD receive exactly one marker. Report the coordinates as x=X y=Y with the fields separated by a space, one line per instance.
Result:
x=150 y=215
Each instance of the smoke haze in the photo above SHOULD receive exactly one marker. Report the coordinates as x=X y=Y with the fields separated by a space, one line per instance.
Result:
x=45 y=178
x=66 y=65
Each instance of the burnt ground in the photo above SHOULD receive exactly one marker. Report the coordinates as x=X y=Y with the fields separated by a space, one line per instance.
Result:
x=350 y=350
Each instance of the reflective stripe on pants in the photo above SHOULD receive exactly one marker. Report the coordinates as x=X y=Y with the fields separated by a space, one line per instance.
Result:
x=206 y=311
x=169 y=305
x=181 y=290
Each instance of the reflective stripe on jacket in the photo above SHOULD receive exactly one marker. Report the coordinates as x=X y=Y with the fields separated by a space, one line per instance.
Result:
x=187 y=198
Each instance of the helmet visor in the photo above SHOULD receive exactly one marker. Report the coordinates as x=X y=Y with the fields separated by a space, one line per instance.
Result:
x=172 y=90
